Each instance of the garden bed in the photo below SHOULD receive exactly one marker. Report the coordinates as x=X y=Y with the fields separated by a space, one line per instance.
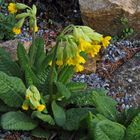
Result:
x=115 y=73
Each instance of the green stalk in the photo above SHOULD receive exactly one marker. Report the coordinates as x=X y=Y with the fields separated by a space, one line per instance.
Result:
x=51 y=98
x=52 y=70
x=32 y=55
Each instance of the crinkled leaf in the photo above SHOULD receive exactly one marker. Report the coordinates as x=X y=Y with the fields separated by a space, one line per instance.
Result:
x=133 y=130
x=74 y=116
x=59 y=114
x=12 y=90
x=40 y=133
x=44 y=117
x=17 y=121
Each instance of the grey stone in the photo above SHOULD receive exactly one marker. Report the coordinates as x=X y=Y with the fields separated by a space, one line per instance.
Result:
x=131 y=86
x=11 y=47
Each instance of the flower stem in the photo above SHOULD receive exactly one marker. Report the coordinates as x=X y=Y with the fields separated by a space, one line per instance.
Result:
x=52 y=75
x=32 y=56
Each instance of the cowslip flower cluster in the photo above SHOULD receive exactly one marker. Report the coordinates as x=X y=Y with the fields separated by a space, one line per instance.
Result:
x=31 y=14
x=81 y=39
x=33 y=99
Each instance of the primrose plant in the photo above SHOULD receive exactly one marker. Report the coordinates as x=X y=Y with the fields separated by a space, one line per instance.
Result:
x=38 y=95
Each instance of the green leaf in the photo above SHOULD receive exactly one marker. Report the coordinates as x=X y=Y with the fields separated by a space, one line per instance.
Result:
x=43 y=80
x=17 y=121
x=43 y=117
x=100 y=128
x=105 y=105
x=82 y=98
x=133 y=130
x=74 y=116
x=59 y=114
x=65 y=74
x=76 y=86
x=37 y=54
x=63 y=90
x=108 y=130
x=7 y=65
x=40 y=133
x=12 y=90
x=127 y=116
x=5 y=108
x=23 y=58
x=72 y=135
x=40 y=55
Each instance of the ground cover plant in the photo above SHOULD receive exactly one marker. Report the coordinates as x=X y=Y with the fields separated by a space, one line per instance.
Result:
x=37 y=94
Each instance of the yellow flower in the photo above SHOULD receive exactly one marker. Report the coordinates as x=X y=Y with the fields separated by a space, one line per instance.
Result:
x=25 y=107
x=83 y=45
x=70 y=61
x=12 y=8
x=59 y=62
x=106 y=41
x=40 y=107
x=79 y=68
x=79 y=59
x=94 y=50
x=76 y=60
x=36 y=29
x=16 y=30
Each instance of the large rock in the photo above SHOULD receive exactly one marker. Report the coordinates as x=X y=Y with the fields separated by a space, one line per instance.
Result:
x=11 y=47
x=104 y=15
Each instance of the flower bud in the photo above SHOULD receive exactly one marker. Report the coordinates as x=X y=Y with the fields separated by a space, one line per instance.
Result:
x=35 y=92
x=28 y=94
x=21 y=6
x=19 y=24
x=23 y=15
x=34 y=10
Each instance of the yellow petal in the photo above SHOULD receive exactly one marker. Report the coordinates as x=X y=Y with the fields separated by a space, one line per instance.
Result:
x=106 y=41
x=12 y=8
x=36 y=29
x=25 y=107
x=79 y=68
x=16 y=30
x=41 y=108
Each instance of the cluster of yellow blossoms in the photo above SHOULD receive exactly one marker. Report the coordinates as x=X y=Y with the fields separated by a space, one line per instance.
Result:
x=82 y=39
x=33 y=100
x=13 y=8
